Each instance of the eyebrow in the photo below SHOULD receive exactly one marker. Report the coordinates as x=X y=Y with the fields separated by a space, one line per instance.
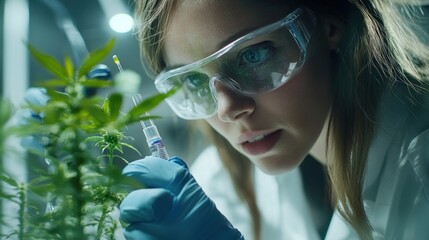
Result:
x=219 y=46
x=235 y=36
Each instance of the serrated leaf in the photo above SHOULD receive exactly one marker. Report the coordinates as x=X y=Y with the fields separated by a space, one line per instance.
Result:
x=38 y=180
x=105 y=105
x=9 y=180
x=147 y=104
x=98 y=114
x=26 y=130
x=69 y=67
x=123 y=159
x=96 y=83
x=49 y=62
x=130 y=146
x=58 y=96
x=95 y=57
x=115 y=104
x=143 y=118
x=43 y=189
x=93 y=101
x=10 y=197
x=93 y=139
x=119 y=148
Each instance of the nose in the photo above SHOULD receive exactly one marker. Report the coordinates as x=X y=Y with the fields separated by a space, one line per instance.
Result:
x=232 y=106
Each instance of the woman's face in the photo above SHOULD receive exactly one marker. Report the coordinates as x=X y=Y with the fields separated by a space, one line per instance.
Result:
x=275 y=130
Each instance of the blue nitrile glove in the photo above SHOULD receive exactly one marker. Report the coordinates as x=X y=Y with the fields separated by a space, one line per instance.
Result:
x=36 y=97
x=172 y=206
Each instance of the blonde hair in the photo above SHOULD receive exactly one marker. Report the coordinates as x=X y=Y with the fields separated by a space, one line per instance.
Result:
x=379 y=50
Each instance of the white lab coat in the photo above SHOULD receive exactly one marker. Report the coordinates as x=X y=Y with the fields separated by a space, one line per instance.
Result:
x=284 y=209
x=396 y=186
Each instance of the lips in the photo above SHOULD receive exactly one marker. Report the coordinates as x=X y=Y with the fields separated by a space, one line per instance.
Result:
x=259 y=143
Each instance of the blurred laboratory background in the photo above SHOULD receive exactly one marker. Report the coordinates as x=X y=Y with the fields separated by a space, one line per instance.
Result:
x=73 y=28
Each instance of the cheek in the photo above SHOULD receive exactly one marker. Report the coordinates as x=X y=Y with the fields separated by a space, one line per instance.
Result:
x=228 y=130
x=304 y=102
x=218 y=125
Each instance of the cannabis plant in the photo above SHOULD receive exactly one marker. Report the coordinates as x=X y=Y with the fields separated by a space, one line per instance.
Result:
x=80 y=188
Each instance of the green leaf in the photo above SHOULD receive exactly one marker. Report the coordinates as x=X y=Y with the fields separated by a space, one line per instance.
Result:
x=122 y=121
x=56 y=96
x=42 y=179
x=105 y=106
x=145 y=118
x=9 y=180
x=92 y=101
x=130 y=147
x=148 y=104
x=26 y=130
x=95 y=57
x=69 y=67
x=53 y=83
x=119 y=148
x=54 y=112
x=10 y=197
x=93 y=139
x=115 y=104
x=5 y=112
x=123 y=159
x=96 y=83
x=49 y=62
x=43 y=189
x=98 y=114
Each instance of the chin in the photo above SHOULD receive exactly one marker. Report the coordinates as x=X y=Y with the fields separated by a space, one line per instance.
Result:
x=277 y=165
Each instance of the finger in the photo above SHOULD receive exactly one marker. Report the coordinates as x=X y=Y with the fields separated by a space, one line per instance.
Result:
x=179 y=161
x=36 y=97
x=34 y=143
x=146 y=206
x=156 y=172
x=140 y=231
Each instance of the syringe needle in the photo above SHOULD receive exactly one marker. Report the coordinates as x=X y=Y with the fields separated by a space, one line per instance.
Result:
x=153 y=139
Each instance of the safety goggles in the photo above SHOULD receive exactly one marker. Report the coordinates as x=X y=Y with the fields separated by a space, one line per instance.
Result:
x=260 y=61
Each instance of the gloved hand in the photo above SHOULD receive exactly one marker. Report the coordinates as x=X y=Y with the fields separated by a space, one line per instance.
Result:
x=173 y=206
x=36 y=97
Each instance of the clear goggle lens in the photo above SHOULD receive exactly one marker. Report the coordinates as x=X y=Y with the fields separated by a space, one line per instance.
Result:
x=258 y=62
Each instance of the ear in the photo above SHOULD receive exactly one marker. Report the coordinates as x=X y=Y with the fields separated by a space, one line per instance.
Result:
x=333 y=32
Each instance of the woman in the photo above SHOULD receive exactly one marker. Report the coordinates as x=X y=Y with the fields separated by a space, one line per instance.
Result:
x=279 y=80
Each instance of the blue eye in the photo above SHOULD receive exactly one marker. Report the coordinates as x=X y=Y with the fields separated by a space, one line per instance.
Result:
x=196 y=80
x=255 y=54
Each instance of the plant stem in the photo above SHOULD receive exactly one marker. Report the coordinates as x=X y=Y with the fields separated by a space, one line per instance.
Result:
x=111 y=151
x=101 y=222
x=21 y=212
x=78 y=197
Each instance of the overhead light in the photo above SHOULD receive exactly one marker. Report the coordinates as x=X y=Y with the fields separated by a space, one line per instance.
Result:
x=117 y=13
x=121 y=23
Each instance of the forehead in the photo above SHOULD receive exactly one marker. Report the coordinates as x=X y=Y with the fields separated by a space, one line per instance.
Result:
x=197 y=27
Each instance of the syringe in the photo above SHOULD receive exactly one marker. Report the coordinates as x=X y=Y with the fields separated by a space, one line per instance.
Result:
x=153 y=139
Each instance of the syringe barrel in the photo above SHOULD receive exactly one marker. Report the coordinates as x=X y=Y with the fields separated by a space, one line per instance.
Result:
x=154 y=141
x=151 y=133
x=158 y=149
